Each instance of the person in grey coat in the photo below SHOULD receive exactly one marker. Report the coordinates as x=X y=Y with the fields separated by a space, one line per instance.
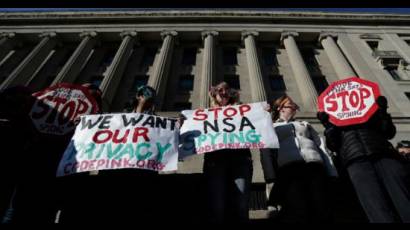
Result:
x=299 y=169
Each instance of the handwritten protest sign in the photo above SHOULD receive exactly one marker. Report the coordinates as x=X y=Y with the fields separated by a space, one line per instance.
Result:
x=232 y=127
x=58 y=106
x=128 y=140
x=349 y=101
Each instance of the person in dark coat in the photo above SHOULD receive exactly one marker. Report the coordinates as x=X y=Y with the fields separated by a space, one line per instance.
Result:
x=70 y=189
x=35 y=197
x=380 y=178
x=16 y=132
x=120 y=195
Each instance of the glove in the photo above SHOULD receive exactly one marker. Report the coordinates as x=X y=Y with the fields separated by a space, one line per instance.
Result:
x=180 y=120
x=382 y=103
x=324 y=119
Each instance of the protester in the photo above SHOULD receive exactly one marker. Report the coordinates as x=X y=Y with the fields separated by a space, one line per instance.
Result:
x=379 y=177
x=131 y=188
x=300 y=168
x=70 y=188
x=144 y=101
x=16 y=133
x=228 y=172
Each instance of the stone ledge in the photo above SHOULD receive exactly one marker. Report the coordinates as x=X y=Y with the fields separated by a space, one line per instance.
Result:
x=242 y=15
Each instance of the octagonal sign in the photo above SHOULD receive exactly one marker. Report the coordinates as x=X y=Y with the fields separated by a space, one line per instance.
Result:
x=349 y=101
x=58 y=106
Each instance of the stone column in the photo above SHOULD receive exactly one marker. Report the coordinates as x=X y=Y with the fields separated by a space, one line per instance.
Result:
x=115 y=72
x=158 y=80
x=22 y=74
x=208 y=66
x=72 y=67
x=5 y=45
x=336 y=57
x=301 y=73
x=255 y=74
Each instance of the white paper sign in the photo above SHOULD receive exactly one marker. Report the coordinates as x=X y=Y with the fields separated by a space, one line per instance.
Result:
x=115 y=141
x=233 y=127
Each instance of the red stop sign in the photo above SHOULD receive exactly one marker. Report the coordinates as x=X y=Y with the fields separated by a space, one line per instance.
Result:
x=349 y=101
x=58 y=106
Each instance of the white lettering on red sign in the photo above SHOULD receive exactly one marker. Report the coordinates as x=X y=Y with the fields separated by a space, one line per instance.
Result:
x=55 y=111
x=349 y=100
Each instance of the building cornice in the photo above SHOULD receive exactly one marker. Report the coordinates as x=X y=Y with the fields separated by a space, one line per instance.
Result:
x=202 y=16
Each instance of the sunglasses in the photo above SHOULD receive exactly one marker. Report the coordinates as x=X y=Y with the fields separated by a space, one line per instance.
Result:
x=220 y=90
x=296 y=107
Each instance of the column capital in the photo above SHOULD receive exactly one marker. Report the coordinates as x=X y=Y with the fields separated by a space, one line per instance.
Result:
x=7 y=35
x=324 y=35
x=88 y=34
x=204 y=34
x=128 y=33
x=48 y=34
x=286 y=34
x=245 y=34
x=168 y=33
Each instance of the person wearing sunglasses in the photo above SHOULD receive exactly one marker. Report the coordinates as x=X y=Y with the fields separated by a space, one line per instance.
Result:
x=143 y=102
x=228 y=172
x=300 y=168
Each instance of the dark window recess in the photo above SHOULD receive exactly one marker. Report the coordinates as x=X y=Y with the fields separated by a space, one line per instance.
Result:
x=189 y=56
x=277 y=83
x=393 y=73
x=179 y=106
x=14 y=60
x=320 y=83
x=186 y=83
x=107 y=59
x=149 y=56
x=230 y=56
x=373 y=44
x=408 y=95
x=50 y=79
x=139 y=80
x=233 y=81
x=64 y=60
x=269 y=57
x=309 y=58
x=96 y=80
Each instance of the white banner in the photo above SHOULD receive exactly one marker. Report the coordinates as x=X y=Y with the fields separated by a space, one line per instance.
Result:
x=115 y=141
x=232 y=127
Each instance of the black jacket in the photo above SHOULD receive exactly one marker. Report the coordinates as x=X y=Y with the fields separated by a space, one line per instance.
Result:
x=367 y=139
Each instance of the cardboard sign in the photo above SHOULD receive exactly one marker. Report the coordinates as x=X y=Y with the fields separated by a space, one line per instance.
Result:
x=127 y=140
x=232 y=127
x=350 y=101
x=58 y=106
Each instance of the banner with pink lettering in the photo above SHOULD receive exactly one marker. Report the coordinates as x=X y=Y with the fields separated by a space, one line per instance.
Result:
x=246 y=126
x=123 y=140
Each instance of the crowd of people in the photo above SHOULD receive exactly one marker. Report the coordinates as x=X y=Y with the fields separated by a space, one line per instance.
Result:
x=299 y=171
